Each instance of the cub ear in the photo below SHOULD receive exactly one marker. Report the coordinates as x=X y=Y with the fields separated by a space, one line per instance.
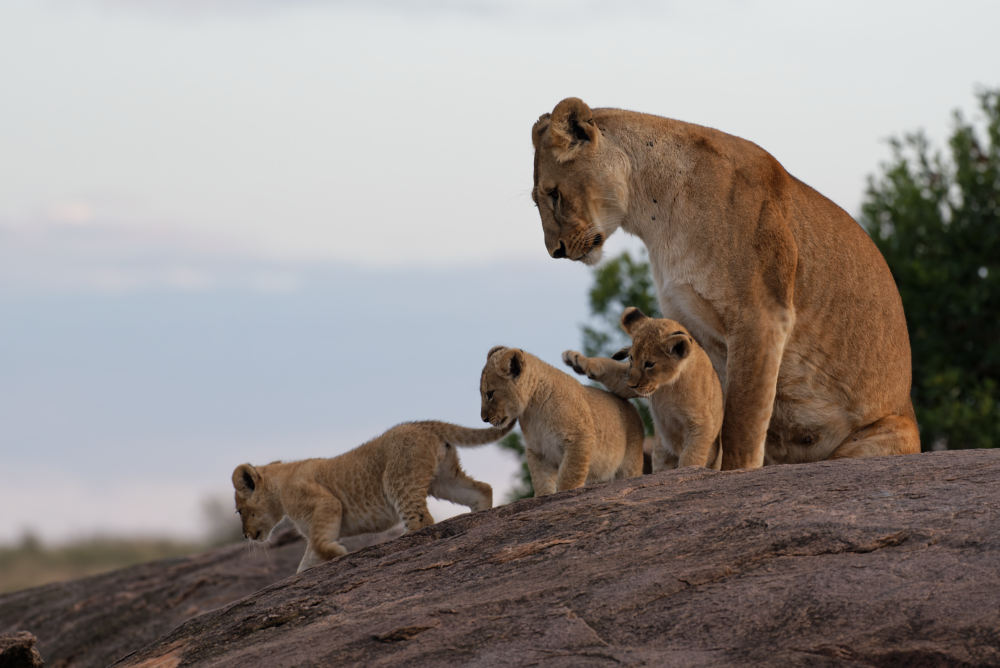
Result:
x=516 y=364
x=494 y=349
x=677 y=345
x=245 y=479
x=622 y=354
x=538 y=128
x=631 y=317
x=571 y=129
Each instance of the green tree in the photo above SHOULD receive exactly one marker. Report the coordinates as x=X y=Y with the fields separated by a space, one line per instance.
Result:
x=618 y=283
x=936 y=219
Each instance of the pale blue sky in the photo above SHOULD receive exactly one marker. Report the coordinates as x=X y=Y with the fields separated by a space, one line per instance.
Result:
x=224 y=225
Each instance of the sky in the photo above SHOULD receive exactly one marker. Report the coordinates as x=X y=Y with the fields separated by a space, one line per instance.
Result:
x=252 y=230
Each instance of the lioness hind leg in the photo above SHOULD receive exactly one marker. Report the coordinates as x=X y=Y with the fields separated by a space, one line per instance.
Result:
x=892 y=435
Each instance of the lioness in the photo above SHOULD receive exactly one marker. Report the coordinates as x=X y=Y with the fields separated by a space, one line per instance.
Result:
x=367 y=490
x=573 y=434
x=791 y=300
x=667 y=366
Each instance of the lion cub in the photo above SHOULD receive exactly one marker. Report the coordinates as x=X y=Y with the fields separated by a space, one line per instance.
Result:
x=369 y=489
x=668 y=366
x=573 y=434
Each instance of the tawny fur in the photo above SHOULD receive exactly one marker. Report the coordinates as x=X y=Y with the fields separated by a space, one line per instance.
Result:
x=573 y=434
x=367 y=490
x=789 y=297
x=668 y=367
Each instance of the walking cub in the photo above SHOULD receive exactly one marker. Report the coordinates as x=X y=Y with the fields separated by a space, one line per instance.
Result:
x=573 y=434
x=668 y=366
x=369 y=489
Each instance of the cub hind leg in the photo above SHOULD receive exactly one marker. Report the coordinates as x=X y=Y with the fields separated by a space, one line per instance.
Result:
x=406 y=482
x=892 y=435
x=451 y=483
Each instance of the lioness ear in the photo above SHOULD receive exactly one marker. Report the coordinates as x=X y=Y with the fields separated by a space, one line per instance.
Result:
x=631 y=317
x=538 y=128
x=245 y=479
x=571 y=128
x=622 y=354
x=677 y=345
x=516 y=364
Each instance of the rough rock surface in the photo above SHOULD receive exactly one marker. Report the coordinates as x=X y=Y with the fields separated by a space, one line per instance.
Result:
x=95 y=620
x=892 y=561
x=18 y=651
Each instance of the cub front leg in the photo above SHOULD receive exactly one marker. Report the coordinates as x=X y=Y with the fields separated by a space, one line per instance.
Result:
x=543 y=474
x=575 y=464
x=610 y=373
x=324 y=531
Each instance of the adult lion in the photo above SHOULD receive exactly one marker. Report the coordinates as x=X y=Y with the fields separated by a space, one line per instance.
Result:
x=789 y=297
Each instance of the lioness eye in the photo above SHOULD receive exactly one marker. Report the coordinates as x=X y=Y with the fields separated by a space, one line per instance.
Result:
x=649 y=365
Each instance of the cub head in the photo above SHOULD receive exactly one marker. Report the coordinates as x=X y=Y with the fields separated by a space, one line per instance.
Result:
x=502 y=387
x=660 y=350
x=580 y=182
x=256 y=502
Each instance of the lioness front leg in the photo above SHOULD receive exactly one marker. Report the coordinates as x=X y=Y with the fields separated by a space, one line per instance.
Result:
x=610 y=373
x=892 y=435
x=752 y=364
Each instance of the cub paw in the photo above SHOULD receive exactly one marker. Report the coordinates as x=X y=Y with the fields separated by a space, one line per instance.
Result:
x=577 y=361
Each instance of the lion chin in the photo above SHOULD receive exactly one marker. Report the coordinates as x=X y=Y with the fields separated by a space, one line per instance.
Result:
x=593 y=256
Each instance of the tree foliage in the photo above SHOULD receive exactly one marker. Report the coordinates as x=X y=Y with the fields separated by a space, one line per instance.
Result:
x=618 y=283
x=936 y=219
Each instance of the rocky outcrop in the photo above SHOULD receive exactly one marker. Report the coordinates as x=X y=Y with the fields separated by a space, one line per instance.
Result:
x=892 y=561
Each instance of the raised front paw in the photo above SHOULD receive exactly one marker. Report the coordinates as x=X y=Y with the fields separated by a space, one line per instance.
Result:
x=579 y=362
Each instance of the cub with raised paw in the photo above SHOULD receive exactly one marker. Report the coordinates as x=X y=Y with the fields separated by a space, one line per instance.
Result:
x=667 y=366
x=574 y=435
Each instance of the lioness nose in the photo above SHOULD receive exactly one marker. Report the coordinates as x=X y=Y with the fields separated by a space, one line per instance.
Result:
x=561 y=251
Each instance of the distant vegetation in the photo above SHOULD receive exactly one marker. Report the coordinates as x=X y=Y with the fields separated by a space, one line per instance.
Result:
x=30 y=562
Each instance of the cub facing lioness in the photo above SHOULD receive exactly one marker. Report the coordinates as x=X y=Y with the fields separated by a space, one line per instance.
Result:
x=668 y=367
x=366 y=490
x=573 y=434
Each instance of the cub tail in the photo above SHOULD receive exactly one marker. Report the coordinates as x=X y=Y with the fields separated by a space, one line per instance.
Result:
x=458 y=435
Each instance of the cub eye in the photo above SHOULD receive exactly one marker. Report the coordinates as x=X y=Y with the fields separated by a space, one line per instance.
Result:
x=649 y=365
x=554 y=196
x=489 y=395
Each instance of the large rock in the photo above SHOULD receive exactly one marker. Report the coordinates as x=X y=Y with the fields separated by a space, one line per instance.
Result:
x=891 y=561
x=95 y=620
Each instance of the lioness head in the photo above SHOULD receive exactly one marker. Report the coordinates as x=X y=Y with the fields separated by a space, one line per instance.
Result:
x=659 y=351
x=256 y=503
x=580 y=182
x=501 y=388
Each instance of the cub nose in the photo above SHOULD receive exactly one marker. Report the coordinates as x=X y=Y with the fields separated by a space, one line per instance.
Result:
x=561 y=251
